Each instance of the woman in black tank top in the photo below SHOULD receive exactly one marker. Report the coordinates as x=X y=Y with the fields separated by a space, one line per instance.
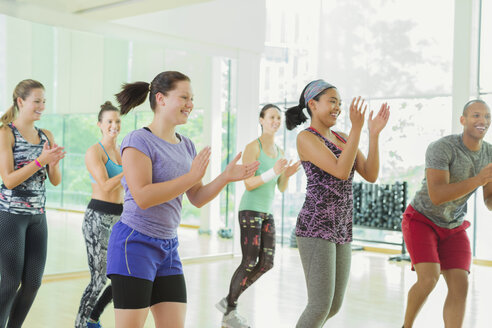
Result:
x=27 y=156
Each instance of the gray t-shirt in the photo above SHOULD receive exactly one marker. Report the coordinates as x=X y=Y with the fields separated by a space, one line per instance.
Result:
x=169 y=161
x=450 y=153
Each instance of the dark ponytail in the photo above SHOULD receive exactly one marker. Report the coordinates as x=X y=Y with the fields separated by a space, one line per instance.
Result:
x=134 y=94
x=294 y=115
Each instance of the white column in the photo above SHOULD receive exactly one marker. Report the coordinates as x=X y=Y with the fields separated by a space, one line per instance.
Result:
x=212 y=132
x=5 y=96
x=248 y=82
x=464 y=57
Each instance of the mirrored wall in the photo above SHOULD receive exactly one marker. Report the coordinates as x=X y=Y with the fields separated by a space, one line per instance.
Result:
x=82 y=70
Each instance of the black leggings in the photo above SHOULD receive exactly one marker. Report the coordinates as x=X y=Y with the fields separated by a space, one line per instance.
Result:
x=23 y=243
x=258 y=247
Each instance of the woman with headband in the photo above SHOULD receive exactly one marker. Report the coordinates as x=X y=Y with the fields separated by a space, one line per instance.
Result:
x=324 y=224
x=159 y=166
x=256 y=212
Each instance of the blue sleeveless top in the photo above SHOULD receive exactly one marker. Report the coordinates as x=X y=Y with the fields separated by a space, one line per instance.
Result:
x=112 y=168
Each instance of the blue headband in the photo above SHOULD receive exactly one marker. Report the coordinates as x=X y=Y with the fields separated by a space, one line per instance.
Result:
x=315 y=88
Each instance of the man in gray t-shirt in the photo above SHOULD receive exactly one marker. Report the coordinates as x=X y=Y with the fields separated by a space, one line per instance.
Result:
x=433 y=225
x=449 y=154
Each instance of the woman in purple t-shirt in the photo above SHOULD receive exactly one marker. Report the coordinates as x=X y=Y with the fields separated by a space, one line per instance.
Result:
x=159 y=165
x=324 y=224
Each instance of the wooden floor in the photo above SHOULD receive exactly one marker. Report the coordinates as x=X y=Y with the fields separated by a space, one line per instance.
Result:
x=67 y=252
x=375 y=297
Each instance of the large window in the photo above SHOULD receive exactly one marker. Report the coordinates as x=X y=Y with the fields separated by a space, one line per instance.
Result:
x=82 y=70
x=385 y=51
x=485 y=72
x=482 y=243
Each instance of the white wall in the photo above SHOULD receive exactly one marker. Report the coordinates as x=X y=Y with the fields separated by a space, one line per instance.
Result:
x=86 y=61
x=82 y=62
x=234 y=23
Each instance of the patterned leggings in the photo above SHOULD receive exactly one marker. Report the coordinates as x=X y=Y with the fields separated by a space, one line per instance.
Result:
x=258 y=248
x=96 y=229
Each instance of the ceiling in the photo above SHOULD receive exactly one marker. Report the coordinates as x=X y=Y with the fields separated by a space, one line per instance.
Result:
x=107 y=10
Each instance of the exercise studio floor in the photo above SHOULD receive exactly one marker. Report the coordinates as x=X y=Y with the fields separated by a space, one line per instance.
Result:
x=375 y=297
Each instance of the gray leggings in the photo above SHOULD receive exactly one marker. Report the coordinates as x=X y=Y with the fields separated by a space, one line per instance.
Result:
x=327 y=268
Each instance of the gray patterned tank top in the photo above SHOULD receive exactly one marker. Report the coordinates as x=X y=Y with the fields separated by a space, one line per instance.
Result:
x=29 y=197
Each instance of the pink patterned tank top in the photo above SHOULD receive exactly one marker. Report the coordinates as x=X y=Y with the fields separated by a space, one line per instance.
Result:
x=328 y=207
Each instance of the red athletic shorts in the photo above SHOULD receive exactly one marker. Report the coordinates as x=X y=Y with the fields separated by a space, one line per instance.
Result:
x=428 y=243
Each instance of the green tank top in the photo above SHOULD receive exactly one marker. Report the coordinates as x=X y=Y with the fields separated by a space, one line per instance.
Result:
x=261 y=199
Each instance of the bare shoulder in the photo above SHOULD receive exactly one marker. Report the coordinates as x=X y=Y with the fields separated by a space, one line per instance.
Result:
x=48 y=133
x=253 y=147
x=93 y=151
x=5 y=129
x=306 y=136
x=251 y=152
x=6 y=134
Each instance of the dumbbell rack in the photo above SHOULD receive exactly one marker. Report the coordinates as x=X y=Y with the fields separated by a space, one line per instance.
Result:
x=380 y=206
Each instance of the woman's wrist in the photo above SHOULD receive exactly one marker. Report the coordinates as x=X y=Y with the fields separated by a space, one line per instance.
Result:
x=268 y=175
x=38 y=163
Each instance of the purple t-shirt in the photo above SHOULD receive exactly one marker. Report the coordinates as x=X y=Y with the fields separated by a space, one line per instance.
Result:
x=327 y=210
x=169 y=161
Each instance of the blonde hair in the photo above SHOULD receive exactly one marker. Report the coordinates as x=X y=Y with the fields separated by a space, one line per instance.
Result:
x=22 y=90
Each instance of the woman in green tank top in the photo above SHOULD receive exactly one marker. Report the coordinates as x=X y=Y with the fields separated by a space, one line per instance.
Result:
x=255 y=212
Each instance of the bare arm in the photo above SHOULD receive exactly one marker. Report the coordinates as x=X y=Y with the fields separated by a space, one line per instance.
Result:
x=12 y=178
x=96 y=168
x=137 y=168
x=487 y=195
x=441 y=191
x=290 y=170
x=369 y=168
x=312 y=149
x=53 y=166
x=200 y=194
x=250 y=155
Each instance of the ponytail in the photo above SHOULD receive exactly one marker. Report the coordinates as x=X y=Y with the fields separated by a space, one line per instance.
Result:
x=134 y=94
x=22 y=90
x=294 y=116
x=313 y=90
x=8 y=117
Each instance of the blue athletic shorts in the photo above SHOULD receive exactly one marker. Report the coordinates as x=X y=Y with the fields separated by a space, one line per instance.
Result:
x=133 y=254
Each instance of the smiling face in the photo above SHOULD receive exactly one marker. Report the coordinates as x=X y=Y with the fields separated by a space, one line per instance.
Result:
x=327 y=107
x=271 y=120
x=32 y=107
x=110 y=124
x=177 y=103
x=476 y=120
